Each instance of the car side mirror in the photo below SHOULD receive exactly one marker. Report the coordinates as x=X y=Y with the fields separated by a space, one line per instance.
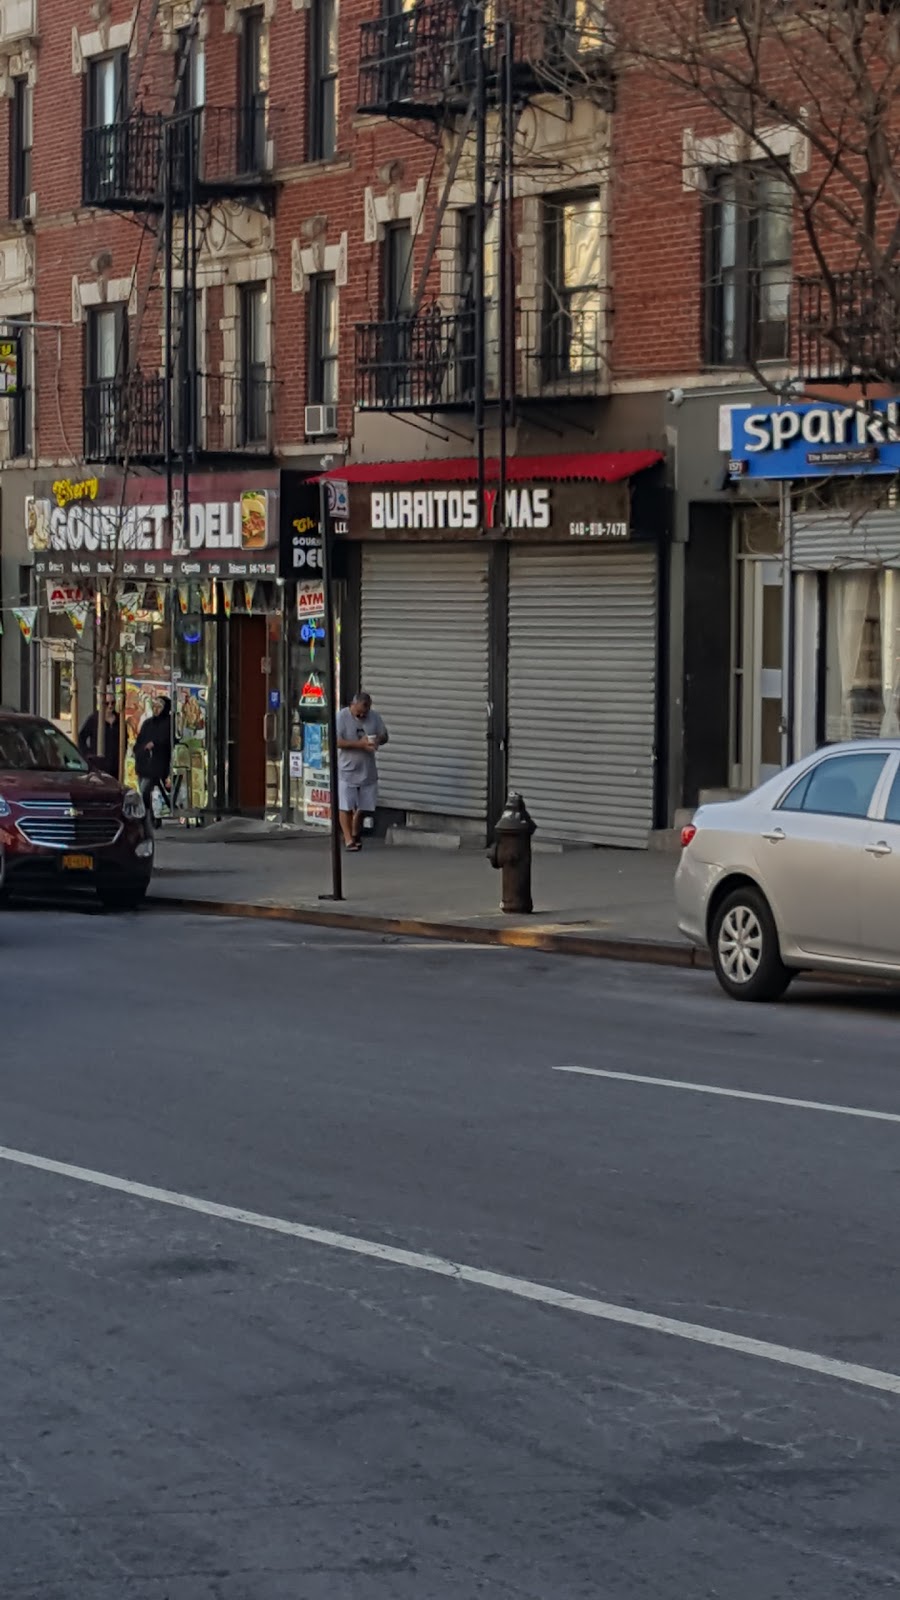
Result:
x=95 y=763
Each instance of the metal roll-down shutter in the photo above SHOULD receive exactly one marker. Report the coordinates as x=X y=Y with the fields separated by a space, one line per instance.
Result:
x=425 y=663
x=582 y=690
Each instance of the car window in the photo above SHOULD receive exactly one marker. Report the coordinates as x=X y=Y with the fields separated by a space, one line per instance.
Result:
x=37 y=747
x=840 y=786
x=892 y=809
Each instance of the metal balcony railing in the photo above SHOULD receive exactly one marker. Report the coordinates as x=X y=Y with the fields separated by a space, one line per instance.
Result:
x=124 y=419
x=422 y=62
x=214 y=150
x=848 y=327
x=221 y=414
x=427 y=362
x=122 y=163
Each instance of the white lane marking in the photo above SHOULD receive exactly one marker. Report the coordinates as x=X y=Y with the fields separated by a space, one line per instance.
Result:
x=734 y=1094
x=521 y=1288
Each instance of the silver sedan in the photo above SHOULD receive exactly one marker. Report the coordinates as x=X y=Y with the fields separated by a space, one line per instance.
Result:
x=803 y=873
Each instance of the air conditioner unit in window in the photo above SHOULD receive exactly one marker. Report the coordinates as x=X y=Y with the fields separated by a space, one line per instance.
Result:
x=320 y=419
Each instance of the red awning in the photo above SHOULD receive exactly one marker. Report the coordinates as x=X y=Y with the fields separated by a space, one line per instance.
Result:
x=609 y=466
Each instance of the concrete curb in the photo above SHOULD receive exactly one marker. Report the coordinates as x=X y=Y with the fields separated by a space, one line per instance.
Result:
x=652 y=952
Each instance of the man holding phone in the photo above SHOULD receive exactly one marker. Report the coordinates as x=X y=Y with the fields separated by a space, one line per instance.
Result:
x=360 y=733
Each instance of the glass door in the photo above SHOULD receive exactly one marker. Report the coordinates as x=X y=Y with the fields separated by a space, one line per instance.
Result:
x=759 y=674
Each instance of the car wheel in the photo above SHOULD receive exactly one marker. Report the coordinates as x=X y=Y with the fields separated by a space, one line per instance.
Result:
x=122 y=897
x=744 y=948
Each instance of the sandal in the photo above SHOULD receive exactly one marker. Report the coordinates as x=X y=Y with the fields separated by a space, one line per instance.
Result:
x=354 y=845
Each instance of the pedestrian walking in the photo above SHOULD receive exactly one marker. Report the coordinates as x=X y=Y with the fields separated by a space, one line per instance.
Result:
x=360 y=733
x=88 y=741
x=153 y=752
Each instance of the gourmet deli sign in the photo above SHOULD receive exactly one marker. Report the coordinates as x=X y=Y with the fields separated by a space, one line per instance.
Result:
x=228 y=537
x=811 y=440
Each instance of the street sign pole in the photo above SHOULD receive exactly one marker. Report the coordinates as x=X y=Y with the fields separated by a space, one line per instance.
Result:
x=337 y=886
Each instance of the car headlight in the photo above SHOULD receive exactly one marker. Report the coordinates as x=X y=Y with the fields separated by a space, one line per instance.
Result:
x=4 y=807
x=133 y=806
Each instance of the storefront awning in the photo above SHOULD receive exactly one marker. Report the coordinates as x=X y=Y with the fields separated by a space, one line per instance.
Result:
x=608 y=466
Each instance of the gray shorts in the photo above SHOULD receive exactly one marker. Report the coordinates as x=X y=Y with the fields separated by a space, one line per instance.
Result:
x=357 y=796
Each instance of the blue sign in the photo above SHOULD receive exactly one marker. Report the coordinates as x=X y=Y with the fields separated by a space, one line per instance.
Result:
x=274 y=699
x=815 y=439
x=313 y=755
x=312 y=631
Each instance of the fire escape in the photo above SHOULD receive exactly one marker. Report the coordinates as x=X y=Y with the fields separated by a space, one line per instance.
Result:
x=464 y=72
x=168 y=167
x=848 y=326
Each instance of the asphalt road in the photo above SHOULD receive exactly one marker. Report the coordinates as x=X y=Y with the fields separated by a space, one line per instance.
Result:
x=669 y=1366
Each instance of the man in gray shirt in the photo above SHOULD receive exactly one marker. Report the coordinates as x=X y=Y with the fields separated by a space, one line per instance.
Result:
x=360 y=732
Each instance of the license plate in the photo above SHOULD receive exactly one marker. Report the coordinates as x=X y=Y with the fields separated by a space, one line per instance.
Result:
x=78 y=863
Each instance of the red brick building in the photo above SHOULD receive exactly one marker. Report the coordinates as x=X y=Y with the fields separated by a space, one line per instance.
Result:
x=242 y=245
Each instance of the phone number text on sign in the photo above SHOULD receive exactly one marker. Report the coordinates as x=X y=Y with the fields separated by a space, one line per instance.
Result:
x=598 y=530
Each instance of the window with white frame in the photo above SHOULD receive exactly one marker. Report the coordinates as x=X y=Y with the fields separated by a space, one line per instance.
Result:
x=573 y=291
x=324 y=340
x=748 y=254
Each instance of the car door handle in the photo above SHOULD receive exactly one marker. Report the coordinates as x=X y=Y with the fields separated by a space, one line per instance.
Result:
x=882 y=848
x=774 y=835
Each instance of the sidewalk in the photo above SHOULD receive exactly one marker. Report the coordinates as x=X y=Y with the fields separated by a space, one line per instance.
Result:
x=586 y=901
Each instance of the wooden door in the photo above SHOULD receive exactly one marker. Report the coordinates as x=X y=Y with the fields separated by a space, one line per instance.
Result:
x=248 y=688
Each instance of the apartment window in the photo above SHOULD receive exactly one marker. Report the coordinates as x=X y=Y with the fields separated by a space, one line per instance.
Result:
x=748 y=266
x=106 y=363
x=323 y=99
x=254 y=409
x=254 y=91
x=718 y=12
x=20 y=143
x=107 y=88
x=21 y=403
x=396 y=278
x=324 y=336
x=573 y=294
x=185 y=343
x=190 y=72
x=467 y=263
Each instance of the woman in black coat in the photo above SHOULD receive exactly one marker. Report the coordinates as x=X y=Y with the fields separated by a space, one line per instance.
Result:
x=153 y=750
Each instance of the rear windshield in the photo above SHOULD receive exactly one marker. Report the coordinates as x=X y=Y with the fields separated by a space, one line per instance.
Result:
x=37 y=747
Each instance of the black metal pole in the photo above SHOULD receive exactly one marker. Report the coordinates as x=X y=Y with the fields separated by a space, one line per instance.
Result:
x=337 y=865
x=478 y=275
x=505 y=305
x=168 y=243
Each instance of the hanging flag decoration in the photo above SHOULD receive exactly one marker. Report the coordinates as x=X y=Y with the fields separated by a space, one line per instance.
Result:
x=249 y=592
x=206 y=599
x=228 y=595
x=184 y=596
x=78 y=615
x=25 y=617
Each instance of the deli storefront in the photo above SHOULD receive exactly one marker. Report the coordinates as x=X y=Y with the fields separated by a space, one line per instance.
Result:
x=199 y=615
x=514 y=644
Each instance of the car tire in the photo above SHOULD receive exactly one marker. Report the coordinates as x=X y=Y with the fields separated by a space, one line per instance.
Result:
x=122 y=897
x=744 y=947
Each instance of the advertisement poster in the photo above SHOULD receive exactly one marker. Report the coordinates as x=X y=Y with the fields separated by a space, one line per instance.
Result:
x=314 y=745
x=316 y=798
x=139 y=696
x=190 y=758
x=62 y=595
x=9 y=366
x=310 y=599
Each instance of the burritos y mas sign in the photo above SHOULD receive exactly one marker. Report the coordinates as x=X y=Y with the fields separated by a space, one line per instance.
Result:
x=810 y=440
x=458 y=508
x=222 y=538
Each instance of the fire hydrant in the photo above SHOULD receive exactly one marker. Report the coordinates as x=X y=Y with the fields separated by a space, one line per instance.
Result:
x=511 y=854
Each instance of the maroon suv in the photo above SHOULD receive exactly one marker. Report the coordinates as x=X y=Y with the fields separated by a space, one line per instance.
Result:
x=65 y=824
